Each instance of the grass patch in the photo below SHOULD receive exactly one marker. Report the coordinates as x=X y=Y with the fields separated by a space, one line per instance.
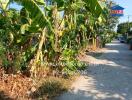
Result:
x=51 y=87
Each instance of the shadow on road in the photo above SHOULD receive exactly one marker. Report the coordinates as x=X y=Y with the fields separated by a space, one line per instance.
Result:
x=110 y=80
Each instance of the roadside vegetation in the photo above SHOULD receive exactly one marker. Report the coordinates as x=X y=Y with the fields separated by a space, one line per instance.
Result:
x=124 y=31
x=42 y=39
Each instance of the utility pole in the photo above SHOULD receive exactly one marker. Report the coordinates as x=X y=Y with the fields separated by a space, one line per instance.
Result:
x=128 y=25
x=128 y=28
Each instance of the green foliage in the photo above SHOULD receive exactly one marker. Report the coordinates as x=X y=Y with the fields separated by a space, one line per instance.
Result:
x=41 y=32
x=124 y=27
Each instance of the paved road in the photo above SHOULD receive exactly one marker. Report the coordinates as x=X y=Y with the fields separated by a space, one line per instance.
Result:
x=108 y=77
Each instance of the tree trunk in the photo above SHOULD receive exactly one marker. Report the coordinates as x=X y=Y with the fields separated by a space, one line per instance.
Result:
x=39 y=54
x=56 y=26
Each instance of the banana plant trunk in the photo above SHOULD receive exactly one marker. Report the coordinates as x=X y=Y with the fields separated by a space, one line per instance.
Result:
x=94 y=42
x=42 y=40
x=39 y=55
x=56 y=26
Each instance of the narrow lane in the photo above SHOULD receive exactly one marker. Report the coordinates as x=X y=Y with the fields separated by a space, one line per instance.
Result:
x=108 y=77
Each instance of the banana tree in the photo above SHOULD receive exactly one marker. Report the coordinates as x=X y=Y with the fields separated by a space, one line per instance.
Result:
x=58 y=35
x=70 y=9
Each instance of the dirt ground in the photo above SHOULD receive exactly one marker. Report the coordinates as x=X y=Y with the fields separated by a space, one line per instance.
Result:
x=108 y=77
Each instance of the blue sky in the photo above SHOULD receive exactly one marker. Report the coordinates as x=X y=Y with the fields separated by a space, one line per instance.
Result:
x=14 y=5
x=127 y=4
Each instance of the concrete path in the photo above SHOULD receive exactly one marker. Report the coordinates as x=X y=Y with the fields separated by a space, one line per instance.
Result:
x=108 y=77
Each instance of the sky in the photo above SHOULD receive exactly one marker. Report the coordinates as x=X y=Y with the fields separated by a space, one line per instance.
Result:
x=127 y=4
x=14 y=5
